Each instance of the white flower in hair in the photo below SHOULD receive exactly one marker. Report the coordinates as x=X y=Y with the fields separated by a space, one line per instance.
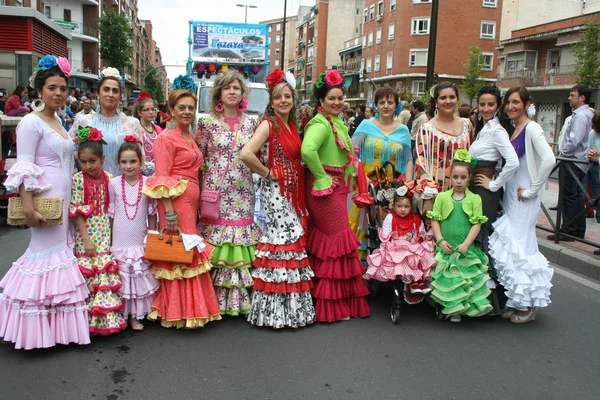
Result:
x=289 y=77
x=110 y=71
x=531 y=110
x=402 y=190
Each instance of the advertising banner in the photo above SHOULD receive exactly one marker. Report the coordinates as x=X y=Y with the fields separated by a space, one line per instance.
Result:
x=229 y=40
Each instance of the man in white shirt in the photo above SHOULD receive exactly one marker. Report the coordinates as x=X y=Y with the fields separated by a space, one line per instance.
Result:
x=87 y=106
x=575 y=145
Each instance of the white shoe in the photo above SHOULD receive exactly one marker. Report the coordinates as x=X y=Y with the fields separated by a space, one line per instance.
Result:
x=455 y=318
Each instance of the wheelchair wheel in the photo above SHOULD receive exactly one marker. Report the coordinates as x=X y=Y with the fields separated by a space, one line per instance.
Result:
x=395 y=314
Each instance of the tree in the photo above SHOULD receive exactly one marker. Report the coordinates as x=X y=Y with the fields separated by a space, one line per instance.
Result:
x=115 y=40
x=587 y=52
x=473 y=69
x=153 y=84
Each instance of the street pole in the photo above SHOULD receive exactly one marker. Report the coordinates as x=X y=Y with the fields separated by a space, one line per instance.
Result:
x=245 y=14
x=283 y=34
x=433 y=24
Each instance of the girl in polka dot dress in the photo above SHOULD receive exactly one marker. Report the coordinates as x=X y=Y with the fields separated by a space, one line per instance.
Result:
x=132 y=213
x=89 y=209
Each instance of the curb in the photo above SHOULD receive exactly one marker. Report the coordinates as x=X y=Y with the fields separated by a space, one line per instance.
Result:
x=574 y=260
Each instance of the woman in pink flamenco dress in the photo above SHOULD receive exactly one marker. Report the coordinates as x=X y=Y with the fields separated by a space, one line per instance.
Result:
x=43 y=299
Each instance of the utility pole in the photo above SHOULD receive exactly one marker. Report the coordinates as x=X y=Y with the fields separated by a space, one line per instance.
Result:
x=433 y=24
x=283 y=35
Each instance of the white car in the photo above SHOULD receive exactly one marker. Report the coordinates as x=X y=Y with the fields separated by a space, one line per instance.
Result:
x=257 y=100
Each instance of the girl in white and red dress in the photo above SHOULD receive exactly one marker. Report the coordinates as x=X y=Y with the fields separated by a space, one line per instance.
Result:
x=406 y=250
x=132 y=213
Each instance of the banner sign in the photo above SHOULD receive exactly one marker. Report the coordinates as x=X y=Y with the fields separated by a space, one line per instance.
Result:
x=229 y=40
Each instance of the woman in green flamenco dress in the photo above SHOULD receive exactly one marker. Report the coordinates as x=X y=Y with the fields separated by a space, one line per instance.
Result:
x=459 y=278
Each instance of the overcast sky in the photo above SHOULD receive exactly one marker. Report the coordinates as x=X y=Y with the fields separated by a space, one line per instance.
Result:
x=170 y=18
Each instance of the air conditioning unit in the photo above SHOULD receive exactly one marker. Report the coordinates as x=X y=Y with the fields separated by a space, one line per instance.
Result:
x=378 y=41
x=379 y=18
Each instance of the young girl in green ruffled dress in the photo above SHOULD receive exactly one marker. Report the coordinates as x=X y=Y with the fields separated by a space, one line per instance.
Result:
x=459 y=278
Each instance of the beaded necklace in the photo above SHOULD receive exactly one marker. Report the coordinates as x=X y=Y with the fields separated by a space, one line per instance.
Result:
x=232 y=121
x=137 y=201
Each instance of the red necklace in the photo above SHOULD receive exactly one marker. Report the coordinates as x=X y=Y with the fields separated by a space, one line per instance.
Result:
x=137 y=202
x=232 y=121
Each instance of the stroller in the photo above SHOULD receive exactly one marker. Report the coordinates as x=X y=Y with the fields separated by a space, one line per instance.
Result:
x=5 y=165
x=383 y=193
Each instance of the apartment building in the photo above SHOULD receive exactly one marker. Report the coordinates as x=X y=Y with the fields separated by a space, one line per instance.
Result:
x=395 y=42
x=320 y=34
x=535 y=51
x=276 y=41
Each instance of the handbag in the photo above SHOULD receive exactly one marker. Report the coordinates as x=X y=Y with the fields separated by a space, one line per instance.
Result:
x=50 y=208
x=210 y=200
x=168 y=250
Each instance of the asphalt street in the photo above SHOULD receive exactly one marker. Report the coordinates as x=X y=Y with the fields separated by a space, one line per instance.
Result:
x=555 y=357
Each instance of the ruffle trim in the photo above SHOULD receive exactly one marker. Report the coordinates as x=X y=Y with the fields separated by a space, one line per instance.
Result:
x=298 y=246
x=480 y=219
x=280 y=310
x=232 y=256
x=232 y=277
x=27 y=174
x=94 y=330
x=221 y=235
x=329 y=248
x=78 y=209
x=164 y=187
x=265 y=262
x=181 y=271
x=33 y=310
x=282 y=287
x=324 y=192
x=435 y=216
x=191 y=323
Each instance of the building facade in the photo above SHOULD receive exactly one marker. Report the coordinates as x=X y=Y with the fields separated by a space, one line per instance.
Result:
x=276 y=40
x=536 y=51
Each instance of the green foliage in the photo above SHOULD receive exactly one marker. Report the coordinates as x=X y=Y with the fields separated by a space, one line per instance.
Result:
x=115 y=40
x=153 y=85
x=473 y=69
x=587 y=52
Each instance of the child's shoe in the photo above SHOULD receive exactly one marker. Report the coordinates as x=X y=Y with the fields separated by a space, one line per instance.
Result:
x=415 y=288
x=455 y=318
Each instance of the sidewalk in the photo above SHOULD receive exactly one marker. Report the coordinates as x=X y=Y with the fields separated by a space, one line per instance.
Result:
x=575 y=256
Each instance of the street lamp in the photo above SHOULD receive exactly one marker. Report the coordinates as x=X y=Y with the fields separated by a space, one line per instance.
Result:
x=246 y=6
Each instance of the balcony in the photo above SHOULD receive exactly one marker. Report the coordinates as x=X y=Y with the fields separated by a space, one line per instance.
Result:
x=559 y=77
x=80 y=68
x=79 y=30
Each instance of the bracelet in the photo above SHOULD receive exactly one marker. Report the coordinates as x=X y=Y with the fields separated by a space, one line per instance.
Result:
x=171 y=217
x=439 y=241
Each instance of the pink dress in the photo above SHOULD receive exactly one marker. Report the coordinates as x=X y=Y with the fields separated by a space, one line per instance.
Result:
x=130 y=224
x=148 y=139
x=43 y=302
x=405 y=252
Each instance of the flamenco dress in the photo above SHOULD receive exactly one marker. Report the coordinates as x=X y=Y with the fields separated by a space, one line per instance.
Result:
x=186 y=297
x=43 y=298
x=90 y=199
x=130 y=224
x=282 y=275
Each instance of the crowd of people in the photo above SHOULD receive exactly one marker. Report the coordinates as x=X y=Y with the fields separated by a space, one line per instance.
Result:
x=93 y=274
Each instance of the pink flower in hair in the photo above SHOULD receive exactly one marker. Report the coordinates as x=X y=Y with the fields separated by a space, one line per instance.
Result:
x=64 y=66
x=333 y=78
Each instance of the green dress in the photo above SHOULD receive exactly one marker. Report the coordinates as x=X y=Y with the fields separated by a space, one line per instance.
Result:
x=458 y=281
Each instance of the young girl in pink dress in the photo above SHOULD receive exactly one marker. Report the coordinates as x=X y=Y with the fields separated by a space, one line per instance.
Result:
x=406 y=251
x=133 y=213
x=89 y=209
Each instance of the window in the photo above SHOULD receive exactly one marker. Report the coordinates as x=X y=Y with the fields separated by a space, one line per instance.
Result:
x=488 y=30
x=67 y=15
x=364 y=42
x=276 y=51
x=277 y=39
x=270 y=28
x=277 y=63
x=378 y=37
x=278 y=27
x=521 y=63
x=47 y=12
x=418 y=58
x=372 y=12
x=391 y=32
x=421 y=1
x=389 y=60
x=488 y=61
x=370 y=40
x=418 y=88
x=420 y=26
x=490 y=3
x=362 y=65
x=377 y=62
x=392 y=5
x=380 y=8
x=369 y=64
x=366 y=15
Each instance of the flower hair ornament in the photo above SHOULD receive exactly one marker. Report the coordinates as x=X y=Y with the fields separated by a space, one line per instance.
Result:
x=464 y=156
x=131 y=139
x=531 y=110
x=89 y=135
x=184 y=82
x=144 y=94
x=276 y=77
x=405 y=190
x=109 y=72
x=50 y=61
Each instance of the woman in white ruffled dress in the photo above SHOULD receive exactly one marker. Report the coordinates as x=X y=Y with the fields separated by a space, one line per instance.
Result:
x=522 y=270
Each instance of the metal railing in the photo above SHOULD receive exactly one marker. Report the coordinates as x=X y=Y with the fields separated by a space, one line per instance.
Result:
x=559 y=225
x=561 y=75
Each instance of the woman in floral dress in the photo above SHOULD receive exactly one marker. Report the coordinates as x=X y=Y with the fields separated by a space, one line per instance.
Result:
x=234 y=234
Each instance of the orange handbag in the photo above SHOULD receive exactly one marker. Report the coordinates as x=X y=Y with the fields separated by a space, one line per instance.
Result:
x=168 y=250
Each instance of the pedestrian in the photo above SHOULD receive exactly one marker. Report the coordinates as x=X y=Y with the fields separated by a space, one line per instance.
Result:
x=575 y=146
x=133 y=214
x=130 y=108
x=3 y=99
x=114 y=125
x=420 y=117
x=43 y=298
x=89 y=210
x=282 y=275
x=328 y=152
x=230 y=228
x=522 y=270
x=594 y=172
x=464 y=111
x=360 y=116
x=145 y=112
x=14 y=106
x=460 y=275
x=86 y=104
x=406 y=250
x=186 y=297
x=369 y=113
x=404 y=115
x=348 y=117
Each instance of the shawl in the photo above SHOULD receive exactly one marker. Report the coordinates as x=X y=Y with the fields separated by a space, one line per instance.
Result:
x=394 y=147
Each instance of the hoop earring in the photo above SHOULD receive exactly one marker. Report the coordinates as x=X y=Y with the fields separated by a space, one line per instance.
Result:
x=436 y=112
x=171 y=124
x=38 y=105
x=243 y=105
x=219 y=107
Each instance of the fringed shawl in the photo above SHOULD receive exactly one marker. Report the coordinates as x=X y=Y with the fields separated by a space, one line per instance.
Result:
x=394 y=147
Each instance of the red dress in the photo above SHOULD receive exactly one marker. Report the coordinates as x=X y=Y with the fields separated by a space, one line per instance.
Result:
x=186 y=298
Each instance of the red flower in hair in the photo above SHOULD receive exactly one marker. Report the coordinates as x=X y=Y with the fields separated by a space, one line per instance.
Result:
x=131 y=139
x=144 y=94
x=95 y=135
x=275 y=77
x=333 y=78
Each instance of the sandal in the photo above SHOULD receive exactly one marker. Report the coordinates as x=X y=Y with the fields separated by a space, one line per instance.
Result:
x=523 y=319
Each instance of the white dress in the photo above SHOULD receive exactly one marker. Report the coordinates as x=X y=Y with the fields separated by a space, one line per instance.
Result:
x=522 y=270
